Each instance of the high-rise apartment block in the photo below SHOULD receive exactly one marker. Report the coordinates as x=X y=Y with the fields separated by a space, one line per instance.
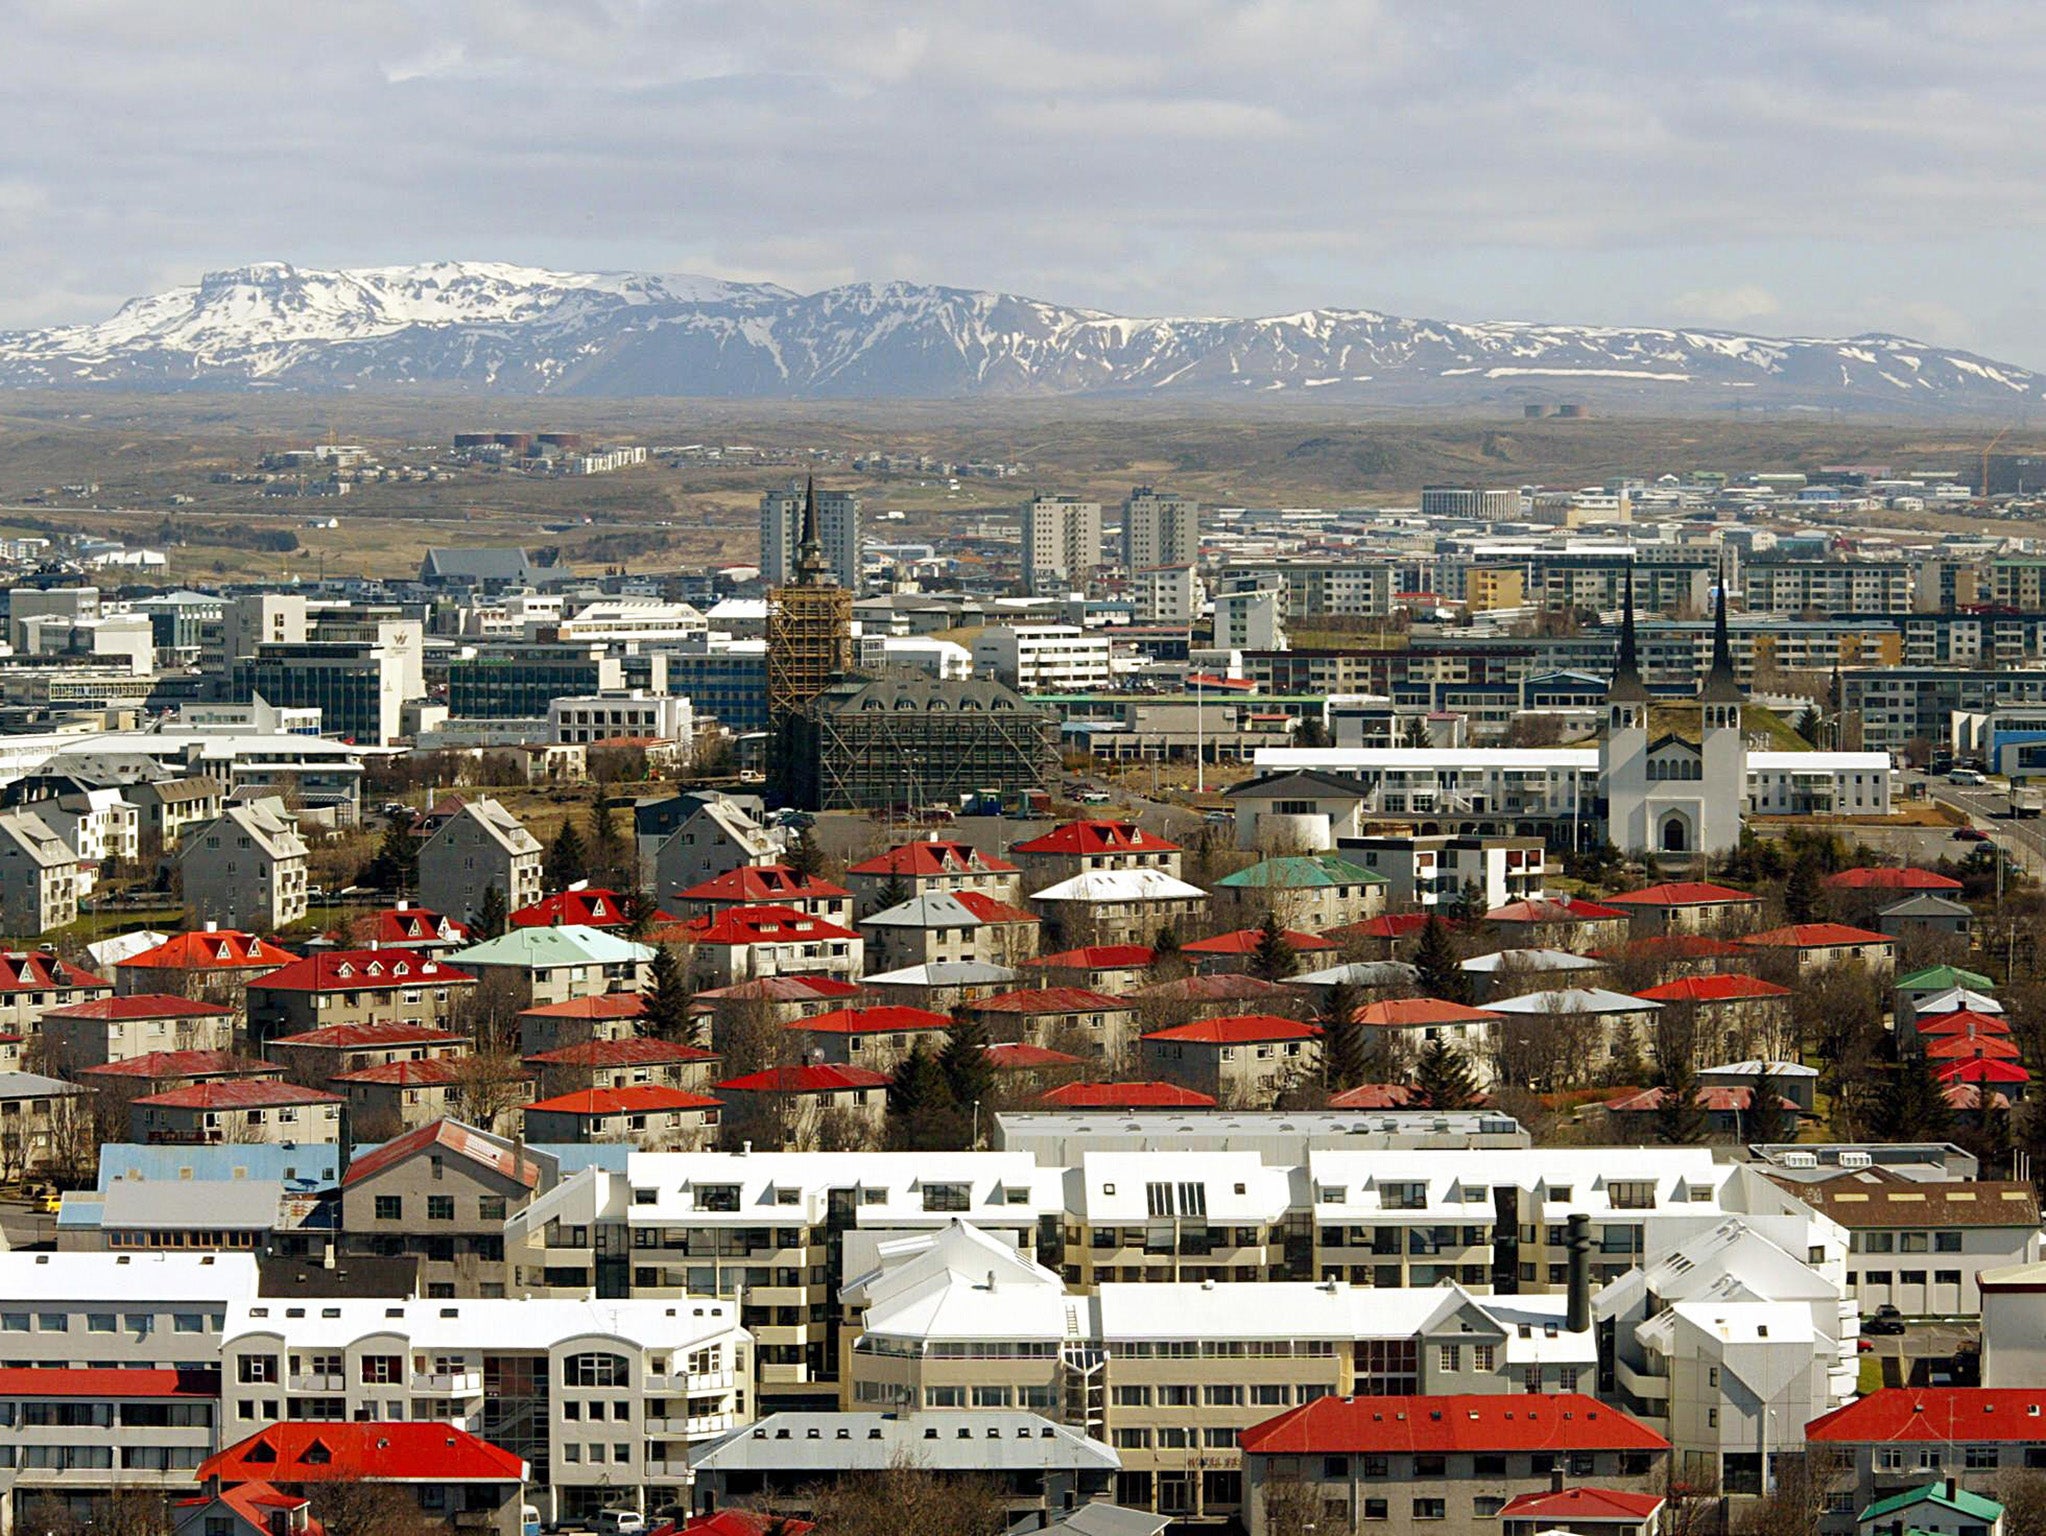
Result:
x=781 y=532
x=1159 y=529
x=1061 y=541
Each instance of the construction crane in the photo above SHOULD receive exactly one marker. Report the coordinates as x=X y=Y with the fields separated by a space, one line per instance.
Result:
x=1986 y=452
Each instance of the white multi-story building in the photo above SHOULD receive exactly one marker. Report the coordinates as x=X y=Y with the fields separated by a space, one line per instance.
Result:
x=1159 y=529
x=1250 y=621
x=1166 y=594
x=1044 y=658
x=1061 y=541
x=603 y=1398
x=623 y=620
x=946 y=660
x=632 y=715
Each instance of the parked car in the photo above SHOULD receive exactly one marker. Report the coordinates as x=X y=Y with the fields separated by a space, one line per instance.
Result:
x=1886 y=1319
x=618 y=1522
x=1970 y=835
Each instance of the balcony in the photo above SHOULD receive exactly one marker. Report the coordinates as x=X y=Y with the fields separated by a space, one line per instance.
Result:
x=701 y=1427
x=449 y=1383
x=319 y=1381
x=1648 y=1388
x=654 y=1470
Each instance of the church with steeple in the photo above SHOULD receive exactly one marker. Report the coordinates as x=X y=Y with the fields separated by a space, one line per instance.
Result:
x=1669 y=795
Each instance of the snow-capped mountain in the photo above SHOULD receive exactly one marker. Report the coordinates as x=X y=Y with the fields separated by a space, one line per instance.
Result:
x=490 y=326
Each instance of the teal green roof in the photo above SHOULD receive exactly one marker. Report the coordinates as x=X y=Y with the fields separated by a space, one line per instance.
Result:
x=1973 y=1505
x=1296 y=872
x=1938 y=978
x=542 y=948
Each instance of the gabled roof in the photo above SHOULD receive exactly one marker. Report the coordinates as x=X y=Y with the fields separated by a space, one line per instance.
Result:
x=1020 y=1056
x=945 y=973
x=328 y=1451
x=1560 y=1421
x=1120 y=885
x=1096 y=837
x=1416 y=1012
x=1569 y=1000
x=1378 y=1096
x=923 y=860
x=764 y=925
x=1943 y=978
x=783 y=989
x=401 y=926
x=1729 y=1099
x=1959 y=1047
x=1296 y=872
x=887 y=1018
x=1971 y=1505
x=545 y=948
x=634 y=1051
x=1890 y=880
x=1097 y=957
x=820 y=1077
x=212 y=949
x=1931 y=1415
x=1126 y=1096
x=604 y=1005
x=1926 y=904
x=1030 y=1000
x=139 y=1005
x=948 y=909
x=432 y=1072
x=373 y=1035
x=1956 y=1000
x=1979 y=1069
x=505 y=829
x=1680 y=893
x=1557 y=1510
x=592 y=907
x=238 y=1093
x=1814 y=936
x=1874 y=1198
x=1718 y=988
x=1673 y=946
x=634 y=1099
x=1567 y=910
x=1244 y=941
x=1388 y=925
x=756 y=884
x=1962 y=1021
x=1220 y=989
x=361 y=970
x=479 y=1147
x=157 y=1065
x=1239 y=1029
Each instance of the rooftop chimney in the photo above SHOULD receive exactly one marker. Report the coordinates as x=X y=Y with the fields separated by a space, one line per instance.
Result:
x=1555 y=1477
x=1577 y=1239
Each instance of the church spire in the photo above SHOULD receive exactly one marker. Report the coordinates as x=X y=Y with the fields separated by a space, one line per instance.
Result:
x=809 y=553
x=1721 y=685
x=1626 y=686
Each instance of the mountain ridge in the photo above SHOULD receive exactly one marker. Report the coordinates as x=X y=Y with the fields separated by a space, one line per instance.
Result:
x=505 y=328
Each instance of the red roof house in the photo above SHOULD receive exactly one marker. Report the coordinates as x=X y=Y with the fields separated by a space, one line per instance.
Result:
x=303 y=1451
x=1448 y=1425
x=1890 y=880
x=449 y=1136
x=753 y=885
x=590 y=907
x=1376 y=1096
x=1581 y=1510
x=1719 y=987
x=1933 y=1416
x=1238 y=1029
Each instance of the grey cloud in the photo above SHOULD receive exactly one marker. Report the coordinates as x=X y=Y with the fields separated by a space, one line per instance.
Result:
x=1603 y=162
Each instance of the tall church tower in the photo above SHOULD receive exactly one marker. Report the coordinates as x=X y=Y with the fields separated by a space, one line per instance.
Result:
x=809 y=643
x=1723 y=745
x=1623 y=750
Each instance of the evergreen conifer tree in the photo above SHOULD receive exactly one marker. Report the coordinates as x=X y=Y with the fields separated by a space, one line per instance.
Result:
x=969 y=1079
x=1273 y=959
x=1804 y=897
x=1440 y=974
x=1911 y=1105
x=566 y=861
x=1444 y=1078
x=1767 y=1121
x=921 y=1114
x=492 y=913
x=1679 y=1119
x=1345 y=1048
x=804 y=856
x=666 y=1015
x=606 y=843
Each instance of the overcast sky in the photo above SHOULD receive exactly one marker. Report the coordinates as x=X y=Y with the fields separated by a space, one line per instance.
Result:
x=1783 y=167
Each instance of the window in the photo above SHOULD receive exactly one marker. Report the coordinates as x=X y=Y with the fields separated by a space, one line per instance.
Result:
x=1158 y=1199
x=440 y=1207
x=1487 y=1505
x=947 y=1197
x=1223 y=1396
x=1979 y=1458
x=1334 y=1468
x=188 y=1322
x=390 y=1208
x=990 y=1397
x=256 y=1368
x=100 y=1322
x=944 y=1397
x=1452 y=1357
x=382 y=1370
x=1946 y=1242
x=1431 y=1509
x=1488 y=1465
x=1133 y=1439
x=1431 y=1466
x=1374 y=1509
x=1268 y=1395
x=1482 y=1356
x=491 y=1207
x=1132 y=1397
x=596 y=1369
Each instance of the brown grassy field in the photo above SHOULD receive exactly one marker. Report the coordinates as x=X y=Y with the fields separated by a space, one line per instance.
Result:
x=143 y=450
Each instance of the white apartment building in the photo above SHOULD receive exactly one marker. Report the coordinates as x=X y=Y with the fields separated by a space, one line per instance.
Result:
x=623 y=620
x=1045 y=658
x=946 y=660
x=38 y=876
x=632 y=715
x=98 y=824
x=603 y=1398
x=119 y=1311
x=1166 y=594
x=1159 y=529
x=1250 y=621
x=1061 y=542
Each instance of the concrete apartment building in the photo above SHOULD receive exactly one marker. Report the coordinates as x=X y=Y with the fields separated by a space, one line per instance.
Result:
x=715 y=838
x=603 y=1399
x=316 y=1057
x=1082 y=847
x=114 y=1029
x=38 y=876
x=441 y=1195
x=927 y=868
x=1061 y=543
x=1246 y=1059
x=1922 y=1247
x=232 y=1110
x=80 y=1435
x=1045 y=658
x=248 y=869
x=355 y=987
x=559 y=965
x=155 y=1311
x=480 y=846
x=633 y=715
x=1159 y=529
